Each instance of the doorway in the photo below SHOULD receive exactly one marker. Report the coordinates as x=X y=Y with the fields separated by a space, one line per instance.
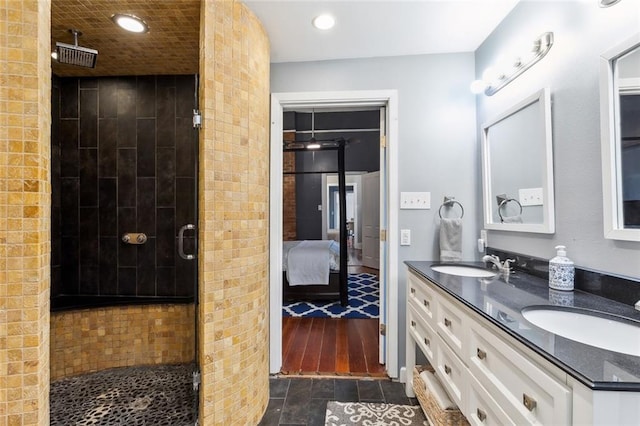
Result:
x=387 y=100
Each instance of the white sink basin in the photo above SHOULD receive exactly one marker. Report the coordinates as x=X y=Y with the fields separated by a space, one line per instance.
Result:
x=464 y=271
x=591 y=328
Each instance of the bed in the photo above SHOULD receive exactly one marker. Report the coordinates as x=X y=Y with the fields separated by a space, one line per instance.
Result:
x=311 y=270
x=332 y=274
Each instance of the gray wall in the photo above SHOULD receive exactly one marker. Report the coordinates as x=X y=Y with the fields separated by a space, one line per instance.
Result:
x=582 y=31
x=439 y=132
x=437 y=142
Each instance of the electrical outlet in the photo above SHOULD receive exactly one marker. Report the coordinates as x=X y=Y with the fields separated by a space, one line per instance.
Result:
x=530 y=196
x=405 y=237
x=415 y=200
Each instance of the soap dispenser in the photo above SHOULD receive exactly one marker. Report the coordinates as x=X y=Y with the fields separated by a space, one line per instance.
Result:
x=561 y=271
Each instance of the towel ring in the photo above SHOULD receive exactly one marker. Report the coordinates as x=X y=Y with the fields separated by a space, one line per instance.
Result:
x=504 y=203
x=449 y=203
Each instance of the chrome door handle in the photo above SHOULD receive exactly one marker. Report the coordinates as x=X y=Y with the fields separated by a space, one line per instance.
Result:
x=181 y=242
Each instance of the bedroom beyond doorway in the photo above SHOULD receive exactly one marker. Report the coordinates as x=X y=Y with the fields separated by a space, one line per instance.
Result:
x=325 y=199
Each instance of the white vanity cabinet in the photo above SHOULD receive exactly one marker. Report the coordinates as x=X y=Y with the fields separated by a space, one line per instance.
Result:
x=493 y=378
x=529 y=392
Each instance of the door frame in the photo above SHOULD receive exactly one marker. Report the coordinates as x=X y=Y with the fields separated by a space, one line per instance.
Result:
x=339 y=99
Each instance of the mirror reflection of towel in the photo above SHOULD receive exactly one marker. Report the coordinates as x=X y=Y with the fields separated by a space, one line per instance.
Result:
x=512 y=219
x=450 y=240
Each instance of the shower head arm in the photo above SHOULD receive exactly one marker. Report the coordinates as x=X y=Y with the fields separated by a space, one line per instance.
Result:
x=76 y=34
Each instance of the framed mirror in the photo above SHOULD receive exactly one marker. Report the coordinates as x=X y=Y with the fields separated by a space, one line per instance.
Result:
x=517 y=167
x=620 y=126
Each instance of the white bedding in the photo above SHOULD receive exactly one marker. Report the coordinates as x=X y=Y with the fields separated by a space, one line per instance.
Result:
x=309 y=262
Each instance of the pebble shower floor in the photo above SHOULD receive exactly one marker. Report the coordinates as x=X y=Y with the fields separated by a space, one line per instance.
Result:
x=158 y=395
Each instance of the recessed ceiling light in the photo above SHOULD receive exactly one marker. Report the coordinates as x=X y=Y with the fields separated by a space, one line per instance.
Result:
x=324 y=22
x=130 y=23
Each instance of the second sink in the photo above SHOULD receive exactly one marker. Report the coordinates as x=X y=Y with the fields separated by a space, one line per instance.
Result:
x=593 y=328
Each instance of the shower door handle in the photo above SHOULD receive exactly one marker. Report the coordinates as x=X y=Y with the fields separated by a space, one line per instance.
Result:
x=181 y=242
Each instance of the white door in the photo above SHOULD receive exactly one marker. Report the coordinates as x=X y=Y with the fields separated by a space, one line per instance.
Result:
x=371 y=220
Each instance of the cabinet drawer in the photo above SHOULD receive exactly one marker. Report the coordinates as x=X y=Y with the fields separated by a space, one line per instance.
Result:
x=450 y=325
x=421 y=332
x=482 y=410
x=526 y=393
x=451 y=372
x=423 y=297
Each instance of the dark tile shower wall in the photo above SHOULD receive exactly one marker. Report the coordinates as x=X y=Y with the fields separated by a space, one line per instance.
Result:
x=124 y=151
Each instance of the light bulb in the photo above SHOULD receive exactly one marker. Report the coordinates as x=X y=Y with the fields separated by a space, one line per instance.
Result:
x=324 y=22
x=477 y=86
x=490 y=74
x=130 y=23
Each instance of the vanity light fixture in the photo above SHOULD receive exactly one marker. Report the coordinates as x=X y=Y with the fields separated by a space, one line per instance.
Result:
x=493 y=81
x=313 y=146
x=324 y=22
x=130 y=23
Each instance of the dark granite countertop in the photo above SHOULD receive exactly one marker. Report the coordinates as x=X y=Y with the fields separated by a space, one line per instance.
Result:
x=500 y=300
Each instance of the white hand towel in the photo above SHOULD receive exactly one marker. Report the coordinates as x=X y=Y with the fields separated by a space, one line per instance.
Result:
x=450 y=240
x=435 y=388
x=512 y=219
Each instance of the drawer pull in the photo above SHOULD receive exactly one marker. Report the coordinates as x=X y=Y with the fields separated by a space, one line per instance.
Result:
x=413 y=290
x=529 y=402
x=447 y=369
x=481 y=415
x=427 y=342
x=481 y=354
x=447 y=322
x=413 y=323
x=425 y=303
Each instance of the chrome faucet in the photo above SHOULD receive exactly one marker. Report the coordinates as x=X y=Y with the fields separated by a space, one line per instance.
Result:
x=500 y=266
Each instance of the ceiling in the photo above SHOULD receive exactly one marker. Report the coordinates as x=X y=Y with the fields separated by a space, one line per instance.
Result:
x=170 y=46
x=377 y=28
x=363 y=29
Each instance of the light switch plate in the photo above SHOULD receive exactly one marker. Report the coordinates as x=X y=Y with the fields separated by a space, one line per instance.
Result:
x=405 y=237
x=415 y=200
x=530 y=196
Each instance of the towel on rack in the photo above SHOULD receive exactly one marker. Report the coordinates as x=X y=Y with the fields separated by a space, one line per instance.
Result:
x=450 y=239
x=512 y=219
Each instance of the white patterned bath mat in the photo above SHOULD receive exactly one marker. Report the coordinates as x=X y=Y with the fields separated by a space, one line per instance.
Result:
x=373 y=414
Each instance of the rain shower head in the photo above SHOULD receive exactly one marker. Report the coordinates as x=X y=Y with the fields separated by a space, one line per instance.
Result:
x=73 y=54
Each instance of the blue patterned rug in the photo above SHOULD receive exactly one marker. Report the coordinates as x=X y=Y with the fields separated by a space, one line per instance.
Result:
x=364 y=297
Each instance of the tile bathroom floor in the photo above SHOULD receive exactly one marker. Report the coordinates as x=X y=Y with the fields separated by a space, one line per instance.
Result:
x=303 y=401
x=158 y=395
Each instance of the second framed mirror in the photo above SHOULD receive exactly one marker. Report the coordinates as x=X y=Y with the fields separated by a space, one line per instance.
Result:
x=517 y=167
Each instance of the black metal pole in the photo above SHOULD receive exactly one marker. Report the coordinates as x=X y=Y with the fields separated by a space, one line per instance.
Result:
x=342 y=187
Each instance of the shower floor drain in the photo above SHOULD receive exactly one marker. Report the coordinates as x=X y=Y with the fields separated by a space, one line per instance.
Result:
x=159 y=395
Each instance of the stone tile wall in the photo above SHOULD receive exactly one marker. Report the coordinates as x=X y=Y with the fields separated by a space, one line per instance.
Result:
x=234 y=220
x=89 y=340
x=25 y=120
x=123 y=160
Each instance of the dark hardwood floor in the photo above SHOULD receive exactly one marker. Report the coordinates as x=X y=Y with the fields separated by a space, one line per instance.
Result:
x=332 y=346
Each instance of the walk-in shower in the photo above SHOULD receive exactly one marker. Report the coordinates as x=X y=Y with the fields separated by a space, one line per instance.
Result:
x=123 y=164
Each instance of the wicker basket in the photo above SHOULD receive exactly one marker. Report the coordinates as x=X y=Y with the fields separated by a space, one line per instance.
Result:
x=436 y=415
